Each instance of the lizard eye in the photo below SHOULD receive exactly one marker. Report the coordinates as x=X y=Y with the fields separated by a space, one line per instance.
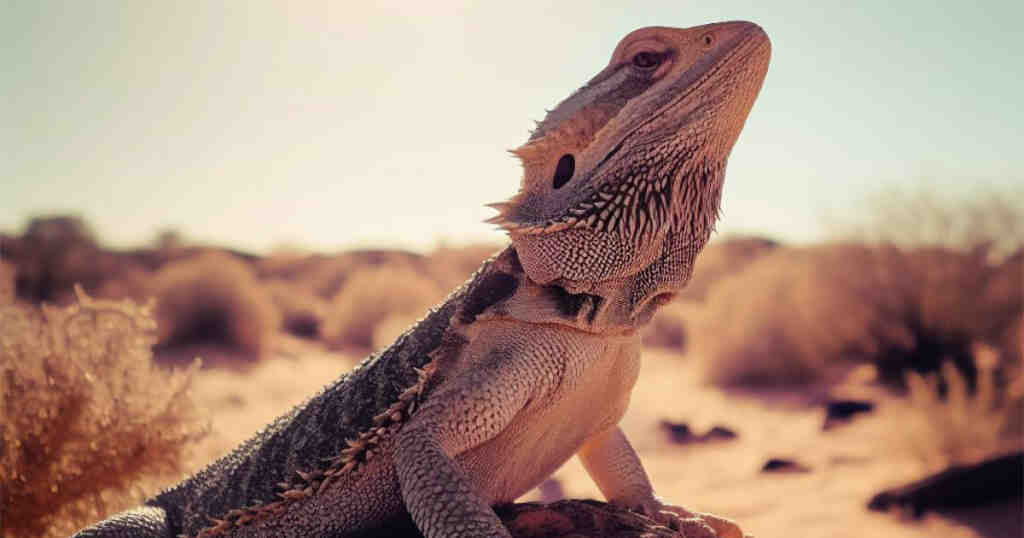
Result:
x=646 y=59
x=708 y=40
x=563 y=172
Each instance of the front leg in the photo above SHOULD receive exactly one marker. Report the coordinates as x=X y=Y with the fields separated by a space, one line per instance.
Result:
x=141 y=522
x=615 y=468
x=462 y=413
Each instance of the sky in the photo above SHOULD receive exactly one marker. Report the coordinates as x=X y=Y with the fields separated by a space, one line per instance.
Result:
x=333 y=125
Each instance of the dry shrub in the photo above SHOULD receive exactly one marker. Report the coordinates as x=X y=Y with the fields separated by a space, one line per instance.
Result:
x=56 y=253
x=7 y=273
x=326 y=275
x=948 y=424
x=723 y=257
x=926 y=279
x=52 y=255
x=391 y=327
x=668 y=328
x=131 y=282
x=761 y=326
x=370 y=296
x=929 y=217
x=286 y=263
x=451 y=266
x=214 y=297
x=801 y=315
x=86 y=418
x=302 y=312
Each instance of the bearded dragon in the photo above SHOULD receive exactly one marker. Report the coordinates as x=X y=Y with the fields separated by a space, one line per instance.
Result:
x=532 y=360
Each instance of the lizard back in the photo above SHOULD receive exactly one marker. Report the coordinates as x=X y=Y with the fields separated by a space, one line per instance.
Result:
x=272 y=467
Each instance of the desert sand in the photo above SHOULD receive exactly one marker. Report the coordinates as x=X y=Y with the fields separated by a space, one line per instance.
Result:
x=847 y=464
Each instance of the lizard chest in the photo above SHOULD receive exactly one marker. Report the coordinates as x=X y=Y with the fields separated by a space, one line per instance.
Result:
x=588 y=394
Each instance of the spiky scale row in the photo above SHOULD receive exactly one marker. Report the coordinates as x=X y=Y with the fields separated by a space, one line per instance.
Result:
x=631 y=204
x=360 y=450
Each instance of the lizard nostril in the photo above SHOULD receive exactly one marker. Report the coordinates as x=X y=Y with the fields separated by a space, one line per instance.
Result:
x=563 y=172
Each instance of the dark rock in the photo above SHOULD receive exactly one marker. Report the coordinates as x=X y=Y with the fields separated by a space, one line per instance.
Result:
x=680 y=433
x=959 y=486
x=562 y=519
x=578 y=519
x=781 y=465
x=720 y=433
x=841 y=411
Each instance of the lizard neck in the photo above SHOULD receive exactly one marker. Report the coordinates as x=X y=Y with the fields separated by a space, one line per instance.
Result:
x=607 y=308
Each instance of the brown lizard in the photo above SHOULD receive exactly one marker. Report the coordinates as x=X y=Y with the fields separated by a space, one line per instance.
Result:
x=533 y=359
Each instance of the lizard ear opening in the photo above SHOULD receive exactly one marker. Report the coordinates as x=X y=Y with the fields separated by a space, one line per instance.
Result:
x=564 y=170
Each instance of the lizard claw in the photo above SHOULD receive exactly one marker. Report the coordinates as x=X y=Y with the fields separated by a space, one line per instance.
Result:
x=689 y=524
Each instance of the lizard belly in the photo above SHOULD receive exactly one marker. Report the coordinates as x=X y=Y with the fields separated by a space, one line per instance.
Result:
x=592 y=396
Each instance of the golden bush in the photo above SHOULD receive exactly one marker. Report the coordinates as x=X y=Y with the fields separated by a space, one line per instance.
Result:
x=130 y=282
x=451 y=266
x=7 y=289
x=214 y=297
x=88 y=423
x=370 y=296
x=52 y=255
x=302 y=311
x=56 y=253
x=804 y=314
x=722 y=257
x=669 y=326
x=325 y=275
x=391 y=327
x=286 y=263
x=946 y=423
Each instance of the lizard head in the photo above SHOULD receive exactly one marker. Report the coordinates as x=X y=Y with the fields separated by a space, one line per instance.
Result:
x=622 y=180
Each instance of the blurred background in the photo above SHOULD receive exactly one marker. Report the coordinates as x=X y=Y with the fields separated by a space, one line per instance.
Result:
x=291 y=186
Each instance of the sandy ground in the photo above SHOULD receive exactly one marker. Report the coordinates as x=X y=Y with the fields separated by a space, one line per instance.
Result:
x=848 y=464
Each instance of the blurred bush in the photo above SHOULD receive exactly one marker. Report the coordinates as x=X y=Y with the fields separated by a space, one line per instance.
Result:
x=801 y=315
x=921 y=291
x=669 y=326
x=52 y=255
x=325 y=275
x=722 y=257
x=451 y=266
x=758 y=326
x=953 y=425
x=214 y=298
x=87 y=421
x=302 y=311
x=928 y=217
x=370 y=296
x=7 y=276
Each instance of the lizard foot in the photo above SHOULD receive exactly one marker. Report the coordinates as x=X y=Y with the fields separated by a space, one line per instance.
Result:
x=689 y=524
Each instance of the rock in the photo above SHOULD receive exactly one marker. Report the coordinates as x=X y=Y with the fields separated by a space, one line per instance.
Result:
x=720 y=433
x=680 y=433
x=781 y=465
x=584 y=519
x=578 y=519
x=841 y=411
x=959 y=486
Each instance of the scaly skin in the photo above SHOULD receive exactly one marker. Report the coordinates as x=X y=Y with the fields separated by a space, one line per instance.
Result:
x=534 y=358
